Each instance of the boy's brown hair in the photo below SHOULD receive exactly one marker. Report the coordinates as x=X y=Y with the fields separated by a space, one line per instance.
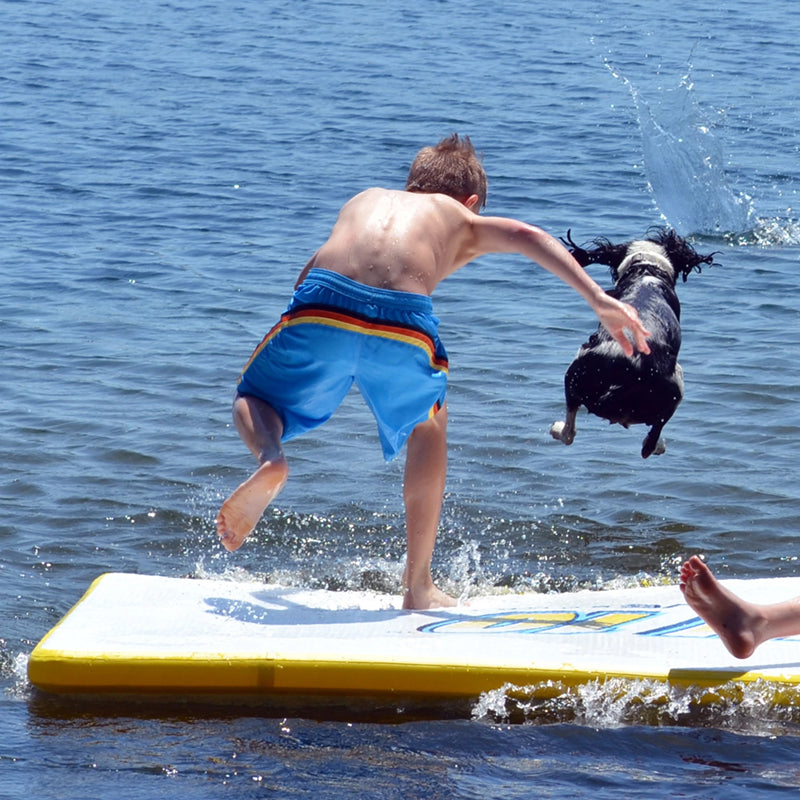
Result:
x=451 y=167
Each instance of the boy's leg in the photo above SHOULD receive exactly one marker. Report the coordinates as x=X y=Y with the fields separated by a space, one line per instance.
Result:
x=423 y=489
x=260 y=428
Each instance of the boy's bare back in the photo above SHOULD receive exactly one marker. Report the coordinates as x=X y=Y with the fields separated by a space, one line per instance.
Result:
x=397 y=240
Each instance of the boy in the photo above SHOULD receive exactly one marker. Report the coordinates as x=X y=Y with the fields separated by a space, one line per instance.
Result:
x=362 y=311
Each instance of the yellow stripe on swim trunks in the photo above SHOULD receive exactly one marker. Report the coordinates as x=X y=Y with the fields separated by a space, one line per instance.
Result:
x=337 y=319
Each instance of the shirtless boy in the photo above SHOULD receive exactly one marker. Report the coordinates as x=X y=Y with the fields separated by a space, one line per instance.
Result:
x=742 y=626
x=362 y=311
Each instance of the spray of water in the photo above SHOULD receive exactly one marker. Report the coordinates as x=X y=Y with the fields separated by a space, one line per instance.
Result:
x=759 y=708
x=684 y=163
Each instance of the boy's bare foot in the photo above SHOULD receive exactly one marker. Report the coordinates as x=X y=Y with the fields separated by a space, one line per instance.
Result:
x=735 y=621
x=242 y=510
x=430 y=597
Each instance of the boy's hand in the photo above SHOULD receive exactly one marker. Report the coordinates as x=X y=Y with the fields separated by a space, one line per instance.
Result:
x=622 y=322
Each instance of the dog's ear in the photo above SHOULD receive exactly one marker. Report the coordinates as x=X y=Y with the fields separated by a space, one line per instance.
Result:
x=683 y=256
x=603 y=252
x=578 y=253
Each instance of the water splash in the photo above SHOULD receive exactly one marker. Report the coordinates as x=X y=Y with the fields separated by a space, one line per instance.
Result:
x=684 y=163
x=20 y=688
x=770 y=233
x=759 y=708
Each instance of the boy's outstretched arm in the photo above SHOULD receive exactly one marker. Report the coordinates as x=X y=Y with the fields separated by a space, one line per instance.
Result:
x=501 y=235
x=619 y=319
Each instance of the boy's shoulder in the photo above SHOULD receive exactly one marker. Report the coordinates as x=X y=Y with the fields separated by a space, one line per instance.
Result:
x=402 y=201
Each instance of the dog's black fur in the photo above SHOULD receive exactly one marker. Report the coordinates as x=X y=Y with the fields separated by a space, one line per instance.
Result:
x=643 y=388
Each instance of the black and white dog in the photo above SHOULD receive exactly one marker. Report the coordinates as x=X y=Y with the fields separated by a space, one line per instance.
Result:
x=643 y=388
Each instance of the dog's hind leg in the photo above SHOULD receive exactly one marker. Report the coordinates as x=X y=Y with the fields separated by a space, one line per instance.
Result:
x=573 y=399
x=654 y=443
x=671 y=394
x=565 y=431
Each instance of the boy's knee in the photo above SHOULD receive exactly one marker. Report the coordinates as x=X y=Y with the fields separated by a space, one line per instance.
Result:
x=440 y=418
x=437 y=424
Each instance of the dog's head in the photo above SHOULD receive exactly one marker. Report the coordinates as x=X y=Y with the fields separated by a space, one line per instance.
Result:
x=662 y=249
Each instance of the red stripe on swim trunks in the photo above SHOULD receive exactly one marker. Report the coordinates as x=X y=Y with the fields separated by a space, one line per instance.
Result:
x=368 y=325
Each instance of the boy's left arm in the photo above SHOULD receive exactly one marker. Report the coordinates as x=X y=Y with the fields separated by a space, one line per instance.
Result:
x=619 y=319
x=499 y=234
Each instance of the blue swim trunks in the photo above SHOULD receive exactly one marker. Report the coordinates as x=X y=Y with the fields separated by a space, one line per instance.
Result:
x=336 y=331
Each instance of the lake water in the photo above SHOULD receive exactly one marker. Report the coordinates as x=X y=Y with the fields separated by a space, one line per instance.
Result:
x=168 y=167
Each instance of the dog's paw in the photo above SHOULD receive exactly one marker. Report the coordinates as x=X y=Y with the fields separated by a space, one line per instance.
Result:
x=650 y=449
x=558 y=430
